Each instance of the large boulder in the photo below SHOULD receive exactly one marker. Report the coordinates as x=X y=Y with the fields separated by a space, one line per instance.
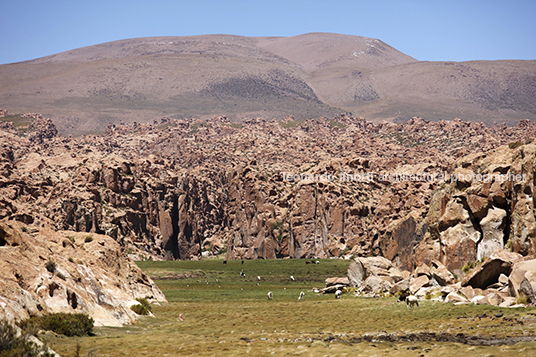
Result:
x=375 y=284
x=492 y=232
x=487 y=273
x=361 y=268
x=441 y=274
x=522 y=280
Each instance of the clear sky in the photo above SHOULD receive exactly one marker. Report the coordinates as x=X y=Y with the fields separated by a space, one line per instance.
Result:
x=433 y=30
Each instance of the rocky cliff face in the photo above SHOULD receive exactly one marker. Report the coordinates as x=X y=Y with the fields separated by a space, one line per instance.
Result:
x=270 y=189
x=44 y=271
x=488 y=205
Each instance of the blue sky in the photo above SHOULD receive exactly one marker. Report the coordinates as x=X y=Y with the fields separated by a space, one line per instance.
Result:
x=433 y=30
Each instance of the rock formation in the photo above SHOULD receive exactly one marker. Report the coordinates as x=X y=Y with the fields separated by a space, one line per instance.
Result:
x=274 y=189
x=44 y=271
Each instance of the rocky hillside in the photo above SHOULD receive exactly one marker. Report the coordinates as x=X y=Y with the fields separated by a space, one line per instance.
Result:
x=310 y=75
x=489 y=206
x=275 y=189
x=44 y=271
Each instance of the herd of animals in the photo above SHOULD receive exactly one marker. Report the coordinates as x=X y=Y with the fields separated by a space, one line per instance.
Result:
x=411 y=301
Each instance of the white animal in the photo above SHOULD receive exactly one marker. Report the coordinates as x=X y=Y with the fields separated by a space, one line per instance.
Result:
x=292 y=278
x=338 y=294
x=412 y=301
x=302 y=294
x=258 y=278
x=270 y=295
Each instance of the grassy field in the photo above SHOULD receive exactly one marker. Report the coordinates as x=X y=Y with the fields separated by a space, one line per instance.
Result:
x=226 y=314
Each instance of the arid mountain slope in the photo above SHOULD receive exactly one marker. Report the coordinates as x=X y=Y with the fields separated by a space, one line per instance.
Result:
x=306 y=76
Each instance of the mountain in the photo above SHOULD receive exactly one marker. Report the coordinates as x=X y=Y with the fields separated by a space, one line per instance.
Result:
x=307 y=76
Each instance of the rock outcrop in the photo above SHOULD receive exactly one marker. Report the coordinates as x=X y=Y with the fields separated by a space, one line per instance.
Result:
x=275 y=189
x=488 y=204
x=43 y=271
x=504 y=279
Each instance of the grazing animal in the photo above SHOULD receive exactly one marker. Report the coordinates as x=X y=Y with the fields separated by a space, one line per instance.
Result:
x=338 y=294
x=258 y=278
x=403 y=297
x=242 y=262
x=317 y=262
x=181 y=317
x=225 y=262
x=292 y=278
x=242 y=274
x=270 y=295
x=307 y=262
x=302 y=294
x=412 y=301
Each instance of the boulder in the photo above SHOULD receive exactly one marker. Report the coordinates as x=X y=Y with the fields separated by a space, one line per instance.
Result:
x=494 y=299
x=455 y=298
x=422 y=269
x=521 y=280
x=441 y=274
x=417 y=283
x=337 y=281
x=478 y=205
x=468 y=292
x=374 y=284
x=487 y=273
x=480 y=300
x=508 y=301
x=332 y=289
x=361 y=268
x=492 y=232
x=402 y=285
x=458 y=245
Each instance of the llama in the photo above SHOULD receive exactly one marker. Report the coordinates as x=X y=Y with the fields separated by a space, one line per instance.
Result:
x=302 y=294
x=411 y=301
x=270 y=295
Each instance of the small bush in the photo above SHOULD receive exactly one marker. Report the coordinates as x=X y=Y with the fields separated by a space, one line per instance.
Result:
x=88 y=239
x=515 y=144
x=468 y=267
x=522 y=299
x=12 y=345
x=143 y=308
x=62 y=323
x=51 y=266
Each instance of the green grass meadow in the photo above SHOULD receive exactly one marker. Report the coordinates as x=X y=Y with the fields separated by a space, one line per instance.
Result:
x=231 y=316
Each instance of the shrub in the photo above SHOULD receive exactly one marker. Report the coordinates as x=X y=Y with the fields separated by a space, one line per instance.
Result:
x=12 y=345
x=143 y=308
x=88 y=239
x=62 y=323
x=515 y=144
x=468 y=267
x=51 y=266
x=522 y=299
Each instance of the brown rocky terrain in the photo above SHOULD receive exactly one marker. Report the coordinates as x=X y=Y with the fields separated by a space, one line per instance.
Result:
x=275 y=189
x=44 y=271
x=310 y=75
